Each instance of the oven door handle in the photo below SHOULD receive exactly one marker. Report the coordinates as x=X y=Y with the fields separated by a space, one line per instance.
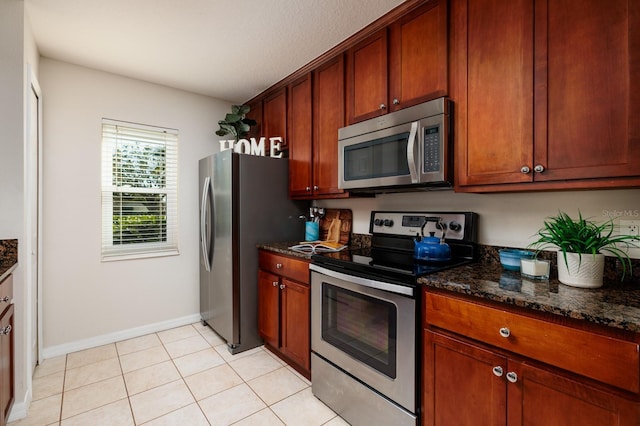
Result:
x=366 y=282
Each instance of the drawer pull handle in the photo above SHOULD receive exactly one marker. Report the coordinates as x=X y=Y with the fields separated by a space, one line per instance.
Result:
x=282 y=286
x=505 y=332
x=279 y=265
x=275 y=283
x=497 y=370
x=6 y=330
x=5 y=299
x=512 y=377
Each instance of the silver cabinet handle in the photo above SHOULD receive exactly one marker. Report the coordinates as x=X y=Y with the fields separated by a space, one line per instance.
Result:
x=497 y=370
x=315 y=187
x=525 y=169
x=512 y=377
x=505 y=332
x=6 y=330
x=308 y=188
x=5 y=299
x=383 y=106
x=396 y=101
x=275 y=283
x=279 y=265
x=282 y=286
x=539 y=168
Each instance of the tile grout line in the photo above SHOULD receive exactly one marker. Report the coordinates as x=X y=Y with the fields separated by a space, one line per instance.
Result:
x=210 y=346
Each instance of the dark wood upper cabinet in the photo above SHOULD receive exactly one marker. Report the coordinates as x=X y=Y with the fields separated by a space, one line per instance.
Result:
x=418 y=65
x=328 y=117
x=493 y=90
x=367 y=82
x=399 y=66
x=300 y=138
x=587 y=89
x=274 y=112
x=255 y=113
x=545 y=99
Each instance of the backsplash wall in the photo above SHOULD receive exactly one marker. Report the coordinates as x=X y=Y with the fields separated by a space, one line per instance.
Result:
x=509 y=219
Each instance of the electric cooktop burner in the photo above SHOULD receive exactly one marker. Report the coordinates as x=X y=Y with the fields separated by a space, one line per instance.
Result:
x=390 y=256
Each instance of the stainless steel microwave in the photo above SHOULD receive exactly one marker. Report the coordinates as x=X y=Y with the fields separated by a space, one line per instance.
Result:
x=403 y=150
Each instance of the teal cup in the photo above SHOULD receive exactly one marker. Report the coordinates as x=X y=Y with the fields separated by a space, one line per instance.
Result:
x=311 y=231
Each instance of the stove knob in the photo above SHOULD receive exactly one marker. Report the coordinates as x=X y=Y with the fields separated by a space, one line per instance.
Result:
x=455 y=226
x=388 y=222
x=377 y=222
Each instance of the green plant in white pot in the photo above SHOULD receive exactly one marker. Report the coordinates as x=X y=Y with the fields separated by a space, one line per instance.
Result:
x=583 y=244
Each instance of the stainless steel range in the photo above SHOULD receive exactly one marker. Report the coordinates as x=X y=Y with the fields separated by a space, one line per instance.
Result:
x=365 y=307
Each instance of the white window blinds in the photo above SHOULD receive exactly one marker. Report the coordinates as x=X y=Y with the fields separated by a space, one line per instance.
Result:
x=139 y=190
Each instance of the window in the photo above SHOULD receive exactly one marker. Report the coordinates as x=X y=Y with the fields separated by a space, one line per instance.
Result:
x=139 y=190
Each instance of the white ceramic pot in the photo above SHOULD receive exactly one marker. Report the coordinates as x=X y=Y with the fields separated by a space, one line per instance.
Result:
x=584 y=270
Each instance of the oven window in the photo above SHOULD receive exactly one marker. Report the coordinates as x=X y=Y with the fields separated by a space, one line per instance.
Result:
x=362 y=326
x=378 y=158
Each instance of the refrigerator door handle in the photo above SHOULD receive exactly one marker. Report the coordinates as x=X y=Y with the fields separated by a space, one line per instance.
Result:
x=204 y=231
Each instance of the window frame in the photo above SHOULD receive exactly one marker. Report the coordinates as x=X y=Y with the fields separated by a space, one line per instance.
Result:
x=113 y=133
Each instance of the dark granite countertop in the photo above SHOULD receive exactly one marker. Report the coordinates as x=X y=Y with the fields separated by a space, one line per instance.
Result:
x=8 y=257
x=614 y=305
x=283 y=248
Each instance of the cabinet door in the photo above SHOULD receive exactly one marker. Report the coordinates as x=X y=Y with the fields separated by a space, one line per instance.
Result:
x=459 y=383
x=6 y=364
x=367 y=94
x=269 y=308
x=295 y=322
x=493 y=90
x=274 y=113
x=587 y=89
x=540 y=397
x=328 y=117
x=255 y=112
x=418 y=65
x=300 y=137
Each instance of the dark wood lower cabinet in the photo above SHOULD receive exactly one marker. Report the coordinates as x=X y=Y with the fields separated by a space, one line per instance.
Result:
x=465 y=383
x=459 y=386
x=7 y=344
x=284 y=309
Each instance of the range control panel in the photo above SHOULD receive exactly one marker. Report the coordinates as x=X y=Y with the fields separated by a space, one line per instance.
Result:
x=454 y=225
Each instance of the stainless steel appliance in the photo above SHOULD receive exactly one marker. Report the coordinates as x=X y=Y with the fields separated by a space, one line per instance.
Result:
x=405 y=149
x=243 y=202
x=365 y=310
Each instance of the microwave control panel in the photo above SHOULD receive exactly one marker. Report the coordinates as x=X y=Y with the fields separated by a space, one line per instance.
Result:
x=431 y=149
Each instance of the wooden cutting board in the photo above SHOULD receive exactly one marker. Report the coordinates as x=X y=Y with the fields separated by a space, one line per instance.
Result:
x=336 y=225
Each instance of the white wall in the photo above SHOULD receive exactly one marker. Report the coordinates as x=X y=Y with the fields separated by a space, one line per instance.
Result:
x=84 y=297
x=504 y=219
x=17 y=49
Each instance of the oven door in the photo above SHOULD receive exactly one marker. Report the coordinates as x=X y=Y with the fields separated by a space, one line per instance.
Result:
x=366 y=331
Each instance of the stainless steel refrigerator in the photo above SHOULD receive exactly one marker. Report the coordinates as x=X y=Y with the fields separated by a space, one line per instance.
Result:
x=243 y=202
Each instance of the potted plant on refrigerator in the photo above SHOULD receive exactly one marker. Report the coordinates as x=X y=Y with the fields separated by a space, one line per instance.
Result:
x=582 y=244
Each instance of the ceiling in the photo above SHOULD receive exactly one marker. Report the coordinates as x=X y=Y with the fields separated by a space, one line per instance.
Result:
x=231 y=50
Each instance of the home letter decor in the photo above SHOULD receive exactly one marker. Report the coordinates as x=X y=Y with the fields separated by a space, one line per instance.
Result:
x=275 y=147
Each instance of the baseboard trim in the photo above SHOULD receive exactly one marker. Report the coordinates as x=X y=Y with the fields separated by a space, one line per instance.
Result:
x=20 y=408
x=117 y=336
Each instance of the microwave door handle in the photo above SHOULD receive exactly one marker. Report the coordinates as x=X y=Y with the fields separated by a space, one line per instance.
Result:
x=411 y=154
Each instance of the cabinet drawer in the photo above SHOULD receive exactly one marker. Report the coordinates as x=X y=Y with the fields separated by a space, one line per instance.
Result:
x=606 y=359
x=6 y=293
x=285 y=266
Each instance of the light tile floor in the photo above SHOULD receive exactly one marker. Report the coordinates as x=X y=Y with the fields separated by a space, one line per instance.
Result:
x=182 y=376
